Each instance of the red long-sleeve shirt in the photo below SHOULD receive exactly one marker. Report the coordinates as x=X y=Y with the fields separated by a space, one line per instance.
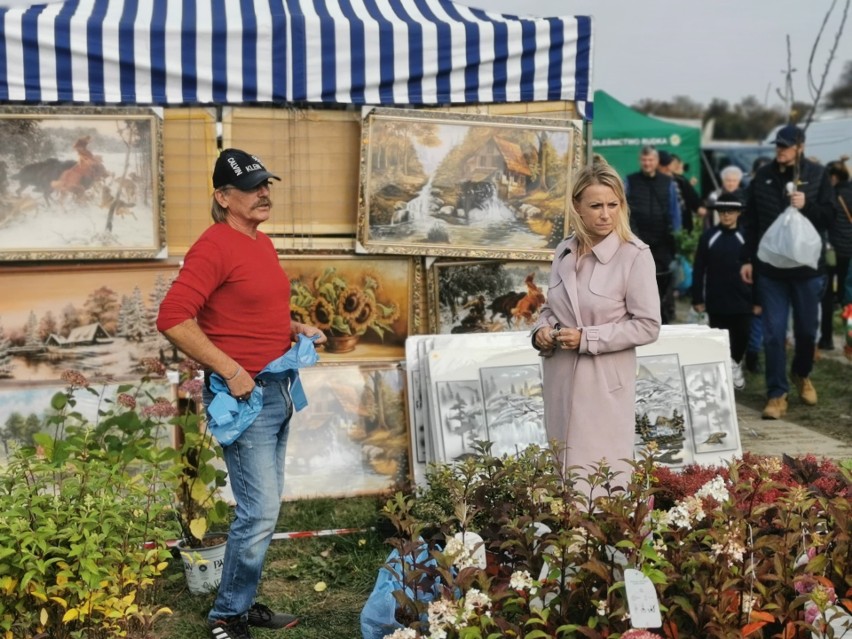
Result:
x=235 y=288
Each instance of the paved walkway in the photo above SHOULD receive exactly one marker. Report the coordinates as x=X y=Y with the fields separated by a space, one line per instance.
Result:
x=774 y=437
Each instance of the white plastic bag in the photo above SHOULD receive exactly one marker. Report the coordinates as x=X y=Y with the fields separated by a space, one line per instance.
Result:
x=790 y=241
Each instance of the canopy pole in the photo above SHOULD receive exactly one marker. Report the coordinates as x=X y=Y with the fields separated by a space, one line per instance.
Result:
x=590 y=152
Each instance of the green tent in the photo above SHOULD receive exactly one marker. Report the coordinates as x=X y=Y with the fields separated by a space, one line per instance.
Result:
x=619 y=132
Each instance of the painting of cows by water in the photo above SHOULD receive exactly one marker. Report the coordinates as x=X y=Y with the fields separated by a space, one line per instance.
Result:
x=98 y=320
x=486 y=296
x=461 y=185
x=81 y=183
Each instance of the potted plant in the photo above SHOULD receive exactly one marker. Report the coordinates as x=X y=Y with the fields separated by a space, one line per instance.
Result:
x=198 y=477
x=342 y=310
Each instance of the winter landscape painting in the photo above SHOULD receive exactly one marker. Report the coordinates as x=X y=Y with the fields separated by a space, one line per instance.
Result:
x=514 y=407
x=661 y=411
x=461 y=412
x=485 y=296
x=80 y=183
x=462 y=185
x=98 y=320
x=711 y=407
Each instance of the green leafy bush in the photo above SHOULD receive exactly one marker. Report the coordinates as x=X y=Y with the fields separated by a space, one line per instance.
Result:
x=757 y=548
x=85 y=515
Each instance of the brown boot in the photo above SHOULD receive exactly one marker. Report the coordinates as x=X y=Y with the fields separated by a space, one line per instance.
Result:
x=806 y=389
x=776 y=408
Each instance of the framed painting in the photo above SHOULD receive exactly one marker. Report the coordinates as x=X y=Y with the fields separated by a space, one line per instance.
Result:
x=711 y=406
x=482 y=387
x=661 y=409
x=485 y=296
x=81 y=183
x=352 y=438
x=98 y=319
x=685 y=397
x=25 y=409
x=366 y=306
x=463 y=185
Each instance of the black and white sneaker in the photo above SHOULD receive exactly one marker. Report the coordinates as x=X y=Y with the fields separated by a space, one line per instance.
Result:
x=261 y=616
x=235 y=628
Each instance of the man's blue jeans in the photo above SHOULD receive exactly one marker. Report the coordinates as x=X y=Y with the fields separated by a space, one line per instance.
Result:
x=255 y=465
x=776 y=298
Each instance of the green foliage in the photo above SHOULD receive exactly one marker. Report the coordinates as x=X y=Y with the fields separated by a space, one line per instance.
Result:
x=686 y=242
x=84 y=516
x=746 y=550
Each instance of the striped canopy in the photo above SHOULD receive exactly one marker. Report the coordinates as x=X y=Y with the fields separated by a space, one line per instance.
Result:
x=393 y=52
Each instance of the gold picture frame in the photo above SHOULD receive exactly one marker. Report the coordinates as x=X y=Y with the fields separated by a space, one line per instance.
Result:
x=464 y=185
x=81 y=183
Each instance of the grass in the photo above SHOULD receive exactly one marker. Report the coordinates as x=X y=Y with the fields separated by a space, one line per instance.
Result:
x=347 y=564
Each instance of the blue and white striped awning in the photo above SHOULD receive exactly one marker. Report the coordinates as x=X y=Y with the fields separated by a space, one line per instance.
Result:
x=169 y=52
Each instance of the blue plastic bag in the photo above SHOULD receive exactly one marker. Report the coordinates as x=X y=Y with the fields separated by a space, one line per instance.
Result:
x=378 y=617
x=228 y=418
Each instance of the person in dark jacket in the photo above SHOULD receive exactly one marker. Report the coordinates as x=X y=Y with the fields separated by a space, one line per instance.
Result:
x=840 y=236
x=780 y=289
x=717 y=287
x=654 y=217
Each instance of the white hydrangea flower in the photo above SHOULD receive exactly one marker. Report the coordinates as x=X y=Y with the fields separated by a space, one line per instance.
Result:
x=520 y=580
x=475 y=599
x=716 y=489
x=441 y=614
x=402 y=633
x=602 y=608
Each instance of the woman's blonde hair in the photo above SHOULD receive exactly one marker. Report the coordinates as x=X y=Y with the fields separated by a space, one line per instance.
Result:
x=598 y=172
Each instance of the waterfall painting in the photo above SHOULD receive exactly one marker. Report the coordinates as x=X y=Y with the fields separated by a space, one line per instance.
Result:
x=449 y=184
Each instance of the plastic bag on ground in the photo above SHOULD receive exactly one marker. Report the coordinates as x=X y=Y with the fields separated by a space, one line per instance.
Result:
x=791 y=241
x=378 y=617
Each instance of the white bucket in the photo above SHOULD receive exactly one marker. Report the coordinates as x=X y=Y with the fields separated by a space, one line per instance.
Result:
x=203 y=566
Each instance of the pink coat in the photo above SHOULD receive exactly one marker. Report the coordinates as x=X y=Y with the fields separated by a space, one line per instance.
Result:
x=589 y=394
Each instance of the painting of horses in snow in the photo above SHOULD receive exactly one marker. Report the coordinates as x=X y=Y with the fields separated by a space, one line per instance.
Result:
x=461 y=185
x=80 y=183
x=487 y=296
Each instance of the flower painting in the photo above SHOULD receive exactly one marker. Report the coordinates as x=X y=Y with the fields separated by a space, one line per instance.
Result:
x=366 y=307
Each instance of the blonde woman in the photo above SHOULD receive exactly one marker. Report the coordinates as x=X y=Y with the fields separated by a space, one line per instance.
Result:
x=602 y=303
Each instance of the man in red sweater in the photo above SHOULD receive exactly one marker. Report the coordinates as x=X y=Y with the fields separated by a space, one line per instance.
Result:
x=229 y=309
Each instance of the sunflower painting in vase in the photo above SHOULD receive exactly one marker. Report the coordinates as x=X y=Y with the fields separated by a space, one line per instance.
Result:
x=344 y=311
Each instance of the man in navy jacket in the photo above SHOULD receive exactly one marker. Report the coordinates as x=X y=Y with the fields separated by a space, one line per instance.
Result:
x=780 y=289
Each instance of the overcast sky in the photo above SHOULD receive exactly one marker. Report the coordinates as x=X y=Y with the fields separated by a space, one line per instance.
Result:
x=704 y=49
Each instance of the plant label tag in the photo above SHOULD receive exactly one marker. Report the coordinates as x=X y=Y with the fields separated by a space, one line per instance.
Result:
x=641 y=600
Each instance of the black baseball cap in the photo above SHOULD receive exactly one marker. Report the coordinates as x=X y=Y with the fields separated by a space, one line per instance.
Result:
x=239 y=169
x=665 y=158
x=789 y=135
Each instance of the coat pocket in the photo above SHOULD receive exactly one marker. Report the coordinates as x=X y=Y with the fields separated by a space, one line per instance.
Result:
x=611 y=375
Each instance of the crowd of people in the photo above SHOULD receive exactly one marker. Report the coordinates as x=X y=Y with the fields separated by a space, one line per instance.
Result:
x=764 y=307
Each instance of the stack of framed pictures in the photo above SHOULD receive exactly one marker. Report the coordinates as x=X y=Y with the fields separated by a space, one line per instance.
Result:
x=466 y=388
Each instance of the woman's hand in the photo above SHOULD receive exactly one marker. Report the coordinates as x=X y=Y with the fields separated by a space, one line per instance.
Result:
x=568 y=338
x=548 y=338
